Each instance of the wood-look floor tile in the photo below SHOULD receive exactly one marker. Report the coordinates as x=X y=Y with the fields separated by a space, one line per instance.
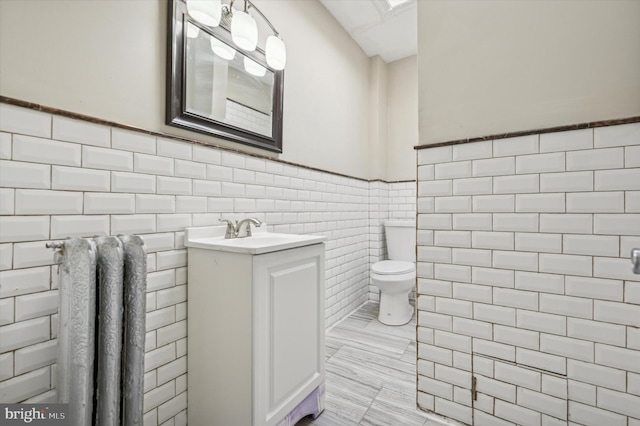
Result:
x=369 y=340
x=360 y=318
x=374 y=374
x=407 y=331
x=377 y=362
x=331 y=346
x=370 y=374
x=389 y=413
x=349 y=388
x=348 y=398
x=406 y=400
x=410 y=355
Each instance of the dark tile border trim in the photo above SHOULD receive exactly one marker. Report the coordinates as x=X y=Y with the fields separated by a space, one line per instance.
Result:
x=393 y=181
x=82 y=117
x=580 y=126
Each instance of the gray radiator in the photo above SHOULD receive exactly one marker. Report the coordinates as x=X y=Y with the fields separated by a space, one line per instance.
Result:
x=101 y=316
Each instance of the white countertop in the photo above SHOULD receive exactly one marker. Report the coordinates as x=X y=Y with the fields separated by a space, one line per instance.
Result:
x=212 y=238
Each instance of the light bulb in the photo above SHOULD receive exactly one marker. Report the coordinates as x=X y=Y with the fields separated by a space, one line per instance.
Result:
x=276 y=52
x=244 y=31
x=254 y=68
x=222 y=49
x=207 y=12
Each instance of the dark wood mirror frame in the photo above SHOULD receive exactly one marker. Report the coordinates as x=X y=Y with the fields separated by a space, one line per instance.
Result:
x=176 y=111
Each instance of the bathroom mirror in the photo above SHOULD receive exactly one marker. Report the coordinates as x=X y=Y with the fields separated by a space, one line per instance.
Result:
x=220 y=90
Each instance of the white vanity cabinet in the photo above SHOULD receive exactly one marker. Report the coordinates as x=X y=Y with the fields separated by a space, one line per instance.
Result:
x=255 y=334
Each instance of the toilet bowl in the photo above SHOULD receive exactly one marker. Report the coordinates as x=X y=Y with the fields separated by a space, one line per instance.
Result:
x=396 y=277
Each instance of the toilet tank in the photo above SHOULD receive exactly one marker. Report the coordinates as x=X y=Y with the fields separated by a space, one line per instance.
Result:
x=401 y=239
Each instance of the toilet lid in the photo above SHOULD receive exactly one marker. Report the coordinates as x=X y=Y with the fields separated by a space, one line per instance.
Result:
x=391 y=267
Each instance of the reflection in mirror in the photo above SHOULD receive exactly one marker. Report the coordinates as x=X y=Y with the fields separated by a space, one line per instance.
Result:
x=225 y=85
x=217 y=89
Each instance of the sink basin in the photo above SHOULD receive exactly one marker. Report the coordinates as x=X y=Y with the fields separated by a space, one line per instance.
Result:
x=212 y=238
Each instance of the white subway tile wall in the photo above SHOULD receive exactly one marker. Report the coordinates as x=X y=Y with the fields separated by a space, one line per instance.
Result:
x=61 y=177
x=550 y=308
x=247 y=118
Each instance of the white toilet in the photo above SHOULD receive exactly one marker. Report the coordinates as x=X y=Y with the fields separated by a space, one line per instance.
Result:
x=396 y=277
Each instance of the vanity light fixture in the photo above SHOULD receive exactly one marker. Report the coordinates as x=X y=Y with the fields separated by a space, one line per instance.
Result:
x=244 y=30
x=207 y=12
x=254 y=68
x=276 y=52
x=243 y=27
x=222 y=49
x=192 y=31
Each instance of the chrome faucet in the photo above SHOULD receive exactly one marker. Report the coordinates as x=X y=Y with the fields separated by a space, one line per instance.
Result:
x=248 y=221
x=233 y=229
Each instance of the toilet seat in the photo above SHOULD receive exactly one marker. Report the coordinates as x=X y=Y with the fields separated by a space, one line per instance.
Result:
x=393 y=267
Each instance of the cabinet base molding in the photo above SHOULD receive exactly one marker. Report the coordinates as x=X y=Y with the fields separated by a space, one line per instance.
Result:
x=313 y=405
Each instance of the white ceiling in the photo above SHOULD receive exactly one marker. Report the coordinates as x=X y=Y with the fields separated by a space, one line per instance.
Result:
x=378 y=28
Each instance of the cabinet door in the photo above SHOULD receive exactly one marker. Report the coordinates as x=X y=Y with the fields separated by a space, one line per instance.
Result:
x=288 y=330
